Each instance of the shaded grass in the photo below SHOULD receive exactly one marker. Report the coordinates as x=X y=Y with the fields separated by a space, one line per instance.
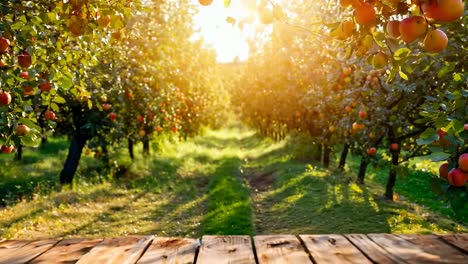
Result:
x=200 y=187
x=310 y=199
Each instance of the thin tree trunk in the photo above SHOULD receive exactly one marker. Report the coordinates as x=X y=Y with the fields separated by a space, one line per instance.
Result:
x=19 y=153
x=318 y=153
x=362 y=170
x=326 y=155
x=130 y=149
x=146 y=146
x=344 y=155
x=73 y=159
x=392 y=175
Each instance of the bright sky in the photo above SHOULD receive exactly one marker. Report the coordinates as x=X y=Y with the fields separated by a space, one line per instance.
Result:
x=228 y=40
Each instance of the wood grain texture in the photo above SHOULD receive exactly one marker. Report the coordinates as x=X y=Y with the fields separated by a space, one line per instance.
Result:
x=280 y=249
x=117 y=250
x=458 y=240
x=67 y=251
x=27 y=252
x=408 y=251
x=439 y=251
x=226 y=249
x=333 y=249
x=372 y=250
x=170 y=251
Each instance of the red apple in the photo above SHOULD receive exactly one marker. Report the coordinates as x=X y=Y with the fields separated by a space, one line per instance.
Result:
x=441 y=133
x=174 y=129
x=22 y=130
x=4 y=45
x=159 y=129
x=112 y=116
x=7 y=149
x=443 y=170
x=24 y=75
x=24 y=60
x=5 y=98
x=362 y=114
x=371 y=151
x=45 y=87
x=394 y=147
x=49 y=115
x=465 y=127
x=463 y=162
x=348 y=109
x=106 y=106
x=140 y=118
x=457 y=178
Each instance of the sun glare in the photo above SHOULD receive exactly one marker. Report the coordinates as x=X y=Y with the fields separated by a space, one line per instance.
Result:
x=227 y=39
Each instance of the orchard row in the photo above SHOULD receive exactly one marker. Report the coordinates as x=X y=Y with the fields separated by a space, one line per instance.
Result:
x=366 y=85
x=100 y=72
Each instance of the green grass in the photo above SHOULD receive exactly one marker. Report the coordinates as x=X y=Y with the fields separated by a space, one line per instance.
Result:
x=201 y=186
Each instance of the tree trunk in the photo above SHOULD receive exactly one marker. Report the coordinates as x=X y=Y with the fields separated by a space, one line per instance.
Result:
x=130 y=149
x=362 y=170
x=19 y=153
x=146 y=146
x=73 y=159
x=392 y=175
x=326 y=155
x=318 y=153
x=344 y=155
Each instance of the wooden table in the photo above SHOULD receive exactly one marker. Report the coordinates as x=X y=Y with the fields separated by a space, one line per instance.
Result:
x=353 y=248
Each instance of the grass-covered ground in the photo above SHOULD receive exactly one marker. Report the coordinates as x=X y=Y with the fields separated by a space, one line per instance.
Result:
x=227 y=181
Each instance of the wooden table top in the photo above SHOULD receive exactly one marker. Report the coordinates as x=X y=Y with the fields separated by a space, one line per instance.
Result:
x=263 y=249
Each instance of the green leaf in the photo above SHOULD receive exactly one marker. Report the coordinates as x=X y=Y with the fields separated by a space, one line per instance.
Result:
x=428 y=140
x=227 y=3
x=65 y=82
x=403 y=75
x=59 y=100
x=401 y=54
x=449 y=67
x=28 y=123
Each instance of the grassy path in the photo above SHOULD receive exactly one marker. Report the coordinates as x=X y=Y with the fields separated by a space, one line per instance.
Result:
x=224 y=182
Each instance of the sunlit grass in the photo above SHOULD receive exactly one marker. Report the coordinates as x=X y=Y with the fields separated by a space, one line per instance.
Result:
x=200 y=186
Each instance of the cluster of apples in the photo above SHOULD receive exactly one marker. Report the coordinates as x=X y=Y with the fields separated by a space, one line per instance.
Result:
x=413 y=28
x=373 y=151
x=456 y=176
x=409 y=29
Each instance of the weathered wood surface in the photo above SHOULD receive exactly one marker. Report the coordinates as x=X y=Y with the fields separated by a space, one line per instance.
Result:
x=280 y=249
x=170 y=250
x=117 y=250
x=27 y=252
x=67 y=251
x=458 y=240
x=226 y=249
x=265 y=249
x=333 y=249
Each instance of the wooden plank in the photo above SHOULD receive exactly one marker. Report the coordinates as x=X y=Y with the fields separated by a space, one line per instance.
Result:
x=27 y=252
x=372 y=250
x=226 y=249
x=442 y=252
x=412 y=252
x=117 y=250
x=170 y=250
x=280 y=249
x=67 y=251
x=458 y=240
x=1 y=240
x=333 y=249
